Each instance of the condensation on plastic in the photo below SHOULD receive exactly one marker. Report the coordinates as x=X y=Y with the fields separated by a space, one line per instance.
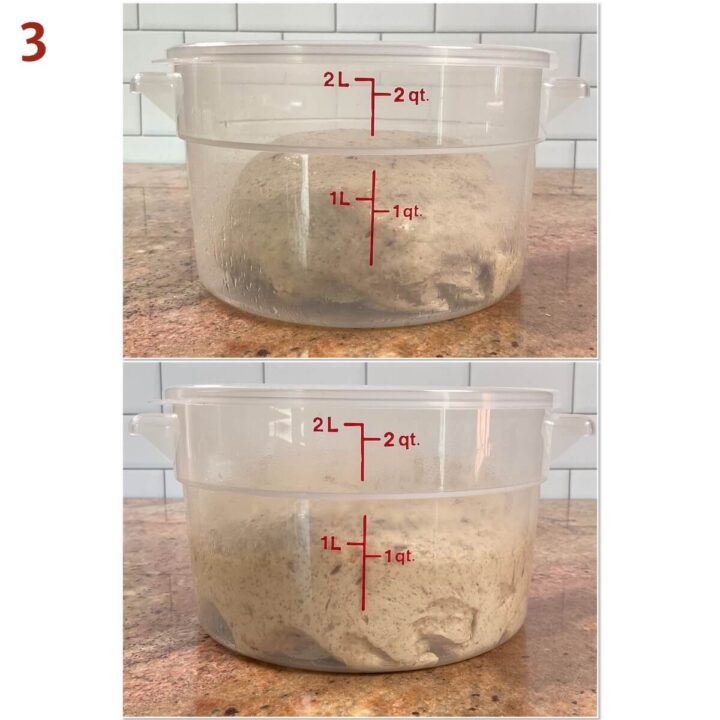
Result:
x=265 y=480
x=236 y=104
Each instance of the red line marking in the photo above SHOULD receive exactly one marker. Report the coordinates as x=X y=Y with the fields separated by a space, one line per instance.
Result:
x=364 y=559
x=372 y=102
x=372 y=221
x=363 y=440
x=364 y=565
x=373 y=95
x=373 y=212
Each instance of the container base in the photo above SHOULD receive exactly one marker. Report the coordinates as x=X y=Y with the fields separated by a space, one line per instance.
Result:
x=329 y=664
x=332 y=315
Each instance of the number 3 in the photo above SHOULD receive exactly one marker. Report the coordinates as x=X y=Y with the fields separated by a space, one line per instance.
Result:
x=34 y=40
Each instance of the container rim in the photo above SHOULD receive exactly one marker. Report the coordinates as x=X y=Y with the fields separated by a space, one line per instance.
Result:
x=290 y=52
x=430 y=396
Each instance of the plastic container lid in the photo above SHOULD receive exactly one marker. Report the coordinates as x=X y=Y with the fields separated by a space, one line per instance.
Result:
x=433 y=397
x=313 y=52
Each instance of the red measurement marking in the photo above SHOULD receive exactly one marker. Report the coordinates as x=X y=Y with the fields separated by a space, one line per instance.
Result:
x=373 y=95
x=373 y=212
x=365 y=556
x=363 y=439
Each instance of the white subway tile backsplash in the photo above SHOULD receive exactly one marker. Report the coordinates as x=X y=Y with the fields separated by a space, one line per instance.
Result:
x=130 y=16
x=141 y=386
x=143 y=484
x=153 y=150
x=578 y=120
x=140 y=48
x=331 y=36
x=586 y=388
x=418 y=373
x=205 y=36
x=486 y=17
x=209 y=372
x=567 y=47
x=155 y=121
x=587 y=155
x=139 y=453
x=589 y=58
x=557 y=376
x=320 y=372
x=131 y=112
x=557 y=485
x=555 y=154
x=583 y=454
x=385 y=17
x=583 y=484
x=286 y=16
x=567 y=17
x=173 y=489
x=435 y=38
x=188 y=16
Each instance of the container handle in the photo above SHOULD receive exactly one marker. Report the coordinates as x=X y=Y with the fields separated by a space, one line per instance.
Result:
x=162 y=89
x=161 y=429
x=560 y=93
x=565 y=430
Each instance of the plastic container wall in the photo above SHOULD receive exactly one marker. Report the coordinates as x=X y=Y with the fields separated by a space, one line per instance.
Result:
x=314 y=446
x=445 y=105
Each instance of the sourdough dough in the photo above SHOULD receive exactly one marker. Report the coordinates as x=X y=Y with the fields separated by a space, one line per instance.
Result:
x=267 y=588
x=284 y=238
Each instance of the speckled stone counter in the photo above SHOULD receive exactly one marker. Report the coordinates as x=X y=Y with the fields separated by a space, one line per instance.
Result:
x=169 y=314
x=173 y=668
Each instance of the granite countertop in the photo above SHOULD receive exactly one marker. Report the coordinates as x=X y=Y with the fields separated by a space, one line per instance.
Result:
x=173 y=668
x=168 y=313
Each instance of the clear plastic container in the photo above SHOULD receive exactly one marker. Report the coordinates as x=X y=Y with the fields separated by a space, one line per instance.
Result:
x=360 y=529
x=359 y=185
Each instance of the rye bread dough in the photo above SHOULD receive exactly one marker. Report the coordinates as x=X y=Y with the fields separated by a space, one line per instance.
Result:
x=283 y=234
x=266 y=587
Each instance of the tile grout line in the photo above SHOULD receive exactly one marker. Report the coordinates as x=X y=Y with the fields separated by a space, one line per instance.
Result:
x=580 y=47
x=535 y=19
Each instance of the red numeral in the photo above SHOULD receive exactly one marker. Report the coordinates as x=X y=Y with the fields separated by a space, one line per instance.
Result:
x=35 y=40
x=399 y=93
x=389 y=438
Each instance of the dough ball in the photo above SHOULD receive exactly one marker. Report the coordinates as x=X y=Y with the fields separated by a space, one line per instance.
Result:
x=283 y=233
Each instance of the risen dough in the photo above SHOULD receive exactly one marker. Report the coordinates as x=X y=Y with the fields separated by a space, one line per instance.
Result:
x=284 y=236
x=267 y=588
